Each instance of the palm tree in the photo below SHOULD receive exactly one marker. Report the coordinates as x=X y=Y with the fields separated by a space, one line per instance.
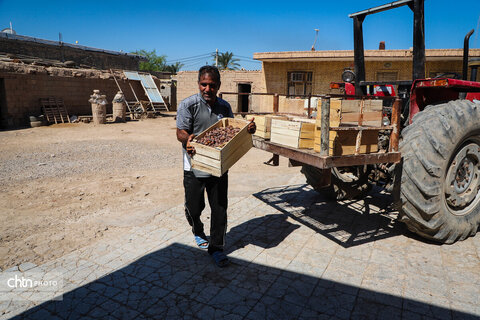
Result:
x=174 y=68
x=226 y=61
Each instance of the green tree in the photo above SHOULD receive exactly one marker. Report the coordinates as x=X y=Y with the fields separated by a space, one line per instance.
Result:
x=174 y=68
x=226 y=61
x=154 y=63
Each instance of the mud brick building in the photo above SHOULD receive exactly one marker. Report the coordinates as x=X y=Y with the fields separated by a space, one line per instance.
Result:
x=87 y=57
x=31 y=69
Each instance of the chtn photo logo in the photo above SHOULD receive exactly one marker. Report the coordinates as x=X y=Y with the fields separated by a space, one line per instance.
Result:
x=22 y=282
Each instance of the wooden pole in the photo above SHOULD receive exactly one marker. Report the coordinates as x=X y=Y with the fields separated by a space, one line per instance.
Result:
x=309 y=112
x=394 y=136
x=360 y=115
x=358 y=142
x=275 y=102
x=325 y=126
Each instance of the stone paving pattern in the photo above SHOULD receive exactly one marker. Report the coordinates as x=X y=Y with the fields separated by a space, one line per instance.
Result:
x=294 y=256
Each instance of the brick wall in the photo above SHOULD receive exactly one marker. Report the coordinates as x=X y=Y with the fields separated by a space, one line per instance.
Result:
x=23 y=91
x=187 y=84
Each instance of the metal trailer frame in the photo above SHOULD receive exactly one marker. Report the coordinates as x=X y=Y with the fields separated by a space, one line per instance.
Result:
x=418 y=72
x=323 y=160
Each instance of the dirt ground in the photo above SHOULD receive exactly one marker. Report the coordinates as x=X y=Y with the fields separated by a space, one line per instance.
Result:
x=66 y=186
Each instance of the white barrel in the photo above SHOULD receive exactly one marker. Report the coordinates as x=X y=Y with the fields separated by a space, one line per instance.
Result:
x=99 y=107
x=99 y=113
x=119 y=107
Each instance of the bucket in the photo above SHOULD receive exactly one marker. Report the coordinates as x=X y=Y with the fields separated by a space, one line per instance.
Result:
x=37 y=121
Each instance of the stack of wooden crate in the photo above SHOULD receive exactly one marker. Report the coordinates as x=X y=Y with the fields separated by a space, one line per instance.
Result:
x=350 y=114
x=264 y=124
x=298 y=133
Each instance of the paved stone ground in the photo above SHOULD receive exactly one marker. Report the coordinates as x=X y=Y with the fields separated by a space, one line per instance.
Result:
x=294 y=256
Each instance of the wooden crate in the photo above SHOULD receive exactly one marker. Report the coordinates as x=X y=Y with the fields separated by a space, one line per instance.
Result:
x=215 y=160
x=295 y=134
x=264 y=124
x=346 y=113
x=350 y=112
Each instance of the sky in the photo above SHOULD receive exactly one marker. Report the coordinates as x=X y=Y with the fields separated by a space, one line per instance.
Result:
x=190 y=31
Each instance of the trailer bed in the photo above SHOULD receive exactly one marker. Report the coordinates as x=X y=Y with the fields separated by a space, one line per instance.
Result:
x=313 y=158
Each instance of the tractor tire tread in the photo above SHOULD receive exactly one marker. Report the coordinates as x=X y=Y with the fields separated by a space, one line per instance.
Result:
x=427 y=145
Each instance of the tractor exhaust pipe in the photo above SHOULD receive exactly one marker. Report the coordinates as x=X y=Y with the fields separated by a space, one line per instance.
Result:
x=465 y=54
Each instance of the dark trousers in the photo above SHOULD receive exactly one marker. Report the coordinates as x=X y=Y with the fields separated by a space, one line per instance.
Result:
x=217 y=189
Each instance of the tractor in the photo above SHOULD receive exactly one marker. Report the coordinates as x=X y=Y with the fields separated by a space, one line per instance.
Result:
x=436 y=184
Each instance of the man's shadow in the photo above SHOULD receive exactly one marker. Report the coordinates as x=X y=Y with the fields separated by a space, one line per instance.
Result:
x=265 y=232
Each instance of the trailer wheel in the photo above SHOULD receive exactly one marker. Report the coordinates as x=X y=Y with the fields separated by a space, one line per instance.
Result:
x=440 y=179
x=346 y=183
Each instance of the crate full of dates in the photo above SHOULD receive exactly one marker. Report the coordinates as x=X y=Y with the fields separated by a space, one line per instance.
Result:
x=219 y=147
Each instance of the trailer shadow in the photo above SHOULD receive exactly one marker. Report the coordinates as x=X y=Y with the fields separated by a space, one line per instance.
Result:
x=348 y=223
x=181 y=282
x=265 y=232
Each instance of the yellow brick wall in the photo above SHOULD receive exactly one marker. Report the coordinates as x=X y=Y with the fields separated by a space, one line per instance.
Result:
x=187 y=84
x=324 y=72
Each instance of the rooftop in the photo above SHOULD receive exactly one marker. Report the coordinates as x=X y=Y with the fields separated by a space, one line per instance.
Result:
x=370 y=55
x=58 y=43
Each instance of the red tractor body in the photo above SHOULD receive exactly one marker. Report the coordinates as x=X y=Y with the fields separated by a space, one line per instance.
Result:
x=426 y=92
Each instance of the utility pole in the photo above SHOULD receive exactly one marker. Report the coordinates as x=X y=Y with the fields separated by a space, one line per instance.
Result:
x=314 y=41
x=216 y=58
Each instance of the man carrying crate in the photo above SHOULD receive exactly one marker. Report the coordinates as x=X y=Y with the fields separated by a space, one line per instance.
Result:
x=195 y=114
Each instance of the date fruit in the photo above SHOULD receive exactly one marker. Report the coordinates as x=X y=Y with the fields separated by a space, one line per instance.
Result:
x=218 y=137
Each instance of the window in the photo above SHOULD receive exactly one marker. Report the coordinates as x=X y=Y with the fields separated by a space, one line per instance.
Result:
x=299 y=83
x=446 y=74
x=387 y=75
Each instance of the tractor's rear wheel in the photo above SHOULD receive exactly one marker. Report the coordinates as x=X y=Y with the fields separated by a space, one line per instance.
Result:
x=440 y=179
x=346 y=183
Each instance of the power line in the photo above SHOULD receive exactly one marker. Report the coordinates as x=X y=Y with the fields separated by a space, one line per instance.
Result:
x=195 y=61
x=189 y=58
x=208 y=55
x=250 y=58
x=237 y=56
x=186 y=58
x=253 y=61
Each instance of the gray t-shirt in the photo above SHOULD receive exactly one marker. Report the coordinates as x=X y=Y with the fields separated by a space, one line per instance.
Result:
x=195 y=116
